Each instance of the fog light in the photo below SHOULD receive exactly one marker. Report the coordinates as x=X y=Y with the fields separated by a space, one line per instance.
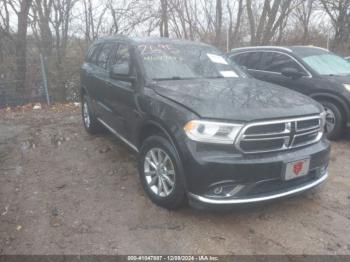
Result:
x=226 y=190
x=218 y=190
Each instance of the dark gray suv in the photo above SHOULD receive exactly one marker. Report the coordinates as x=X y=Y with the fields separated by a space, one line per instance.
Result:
x=313 y=71
x=203 y=130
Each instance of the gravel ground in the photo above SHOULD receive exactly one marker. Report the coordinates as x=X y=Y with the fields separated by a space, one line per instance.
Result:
x=65 y=192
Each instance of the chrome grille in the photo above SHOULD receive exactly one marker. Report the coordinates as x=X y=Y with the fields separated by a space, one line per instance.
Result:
x=269 y=136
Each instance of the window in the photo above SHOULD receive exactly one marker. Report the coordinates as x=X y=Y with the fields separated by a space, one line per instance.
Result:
x=102 y=60
x=173 y=61
x=328 y=64
x=250 y=60
x=122 y=56
x=120 y=60
x=275 y=62
x=90 y=52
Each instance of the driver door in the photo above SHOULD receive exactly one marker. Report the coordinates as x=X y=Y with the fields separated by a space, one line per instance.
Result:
x=270 y=70
x=121 y=93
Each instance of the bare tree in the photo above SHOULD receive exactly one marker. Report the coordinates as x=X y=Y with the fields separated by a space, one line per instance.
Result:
x=21 y=9
x=5 y=28
x=264 y=24
x=233 y=29
x=89 y=20
x=164 y=21
x=339 y=13
x=218 y=21
x=60 y=21
x=41 y=25
x=303 y=14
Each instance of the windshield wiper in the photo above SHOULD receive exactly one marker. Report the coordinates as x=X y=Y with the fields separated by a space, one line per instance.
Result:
x=172 y=78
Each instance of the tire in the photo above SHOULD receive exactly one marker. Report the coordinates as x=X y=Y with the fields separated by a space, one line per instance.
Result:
x=169 y=197
x=333 y=112
x=92 y=126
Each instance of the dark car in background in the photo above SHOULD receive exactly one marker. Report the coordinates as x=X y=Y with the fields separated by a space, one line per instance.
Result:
x=313 y=71
x=203 y=130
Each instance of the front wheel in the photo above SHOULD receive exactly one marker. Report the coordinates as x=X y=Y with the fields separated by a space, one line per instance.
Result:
x=334 y=120
x=161 y=173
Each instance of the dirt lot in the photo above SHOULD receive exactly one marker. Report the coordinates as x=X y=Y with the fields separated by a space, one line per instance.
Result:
x=65 y=192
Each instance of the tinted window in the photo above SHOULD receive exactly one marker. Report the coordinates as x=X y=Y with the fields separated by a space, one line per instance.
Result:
x=239 y=59
x=122 y=56
x=93 y=53
x=105 y=53
x=275 y=62
x=90 y=52
x=250 y=60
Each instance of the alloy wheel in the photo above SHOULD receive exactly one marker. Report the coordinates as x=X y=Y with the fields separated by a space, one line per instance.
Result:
x=330 y=120
x=159 y=172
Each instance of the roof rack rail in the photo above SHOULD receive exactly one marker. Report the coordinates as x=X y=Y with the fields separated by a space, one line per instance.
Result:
x=263 y=47
x=312 y=46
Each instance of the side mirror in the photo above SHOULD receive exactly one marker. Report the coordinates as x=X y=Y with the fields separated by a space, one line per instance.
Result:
x=121 y=72
x=292 y=72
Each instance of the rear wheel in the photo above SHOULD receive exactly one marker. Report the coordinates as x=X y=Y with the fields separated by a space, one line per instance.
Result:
x=91 y=124
x=334 y=120
x=161 y=173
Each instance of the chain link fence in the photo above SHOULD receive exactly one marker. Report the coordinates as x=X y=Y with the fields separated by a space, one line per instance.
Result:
x=61 y=73
x=10 y=94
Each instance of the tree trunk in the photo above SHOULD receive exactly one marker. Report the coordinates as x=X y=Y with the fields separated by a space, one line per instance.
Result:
x=218 y=22
x=251 y=22
x=238 y=23
x=21 y=43
x=164 y=23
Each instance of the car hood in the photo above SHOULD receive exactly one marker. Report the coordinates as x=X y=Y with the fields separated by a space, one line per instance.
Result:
x=237 y=99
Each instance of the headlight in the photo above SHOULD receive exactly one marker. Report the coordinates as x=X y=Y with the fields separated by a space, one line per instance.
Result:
x=212 y=132
x=347 y=87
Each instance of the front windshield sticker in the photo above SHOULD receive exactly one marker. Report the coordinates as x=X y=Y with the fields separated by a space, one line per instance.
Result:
x=228 y=74
x=217 y=59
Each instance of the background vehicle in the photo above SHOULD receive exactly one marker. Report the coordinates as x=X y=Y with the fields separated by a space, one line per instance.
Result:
x=203 y=130
x=347 y=58
x=313 y=71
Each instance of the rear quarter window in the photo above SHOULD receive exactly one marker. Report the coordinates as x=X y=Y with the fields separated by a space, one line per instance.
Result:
x=91 y=54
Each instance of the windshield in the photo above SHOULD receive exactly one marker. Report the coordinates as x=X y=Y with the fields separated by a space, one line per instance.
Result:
x=185 y=61
x=328 y=64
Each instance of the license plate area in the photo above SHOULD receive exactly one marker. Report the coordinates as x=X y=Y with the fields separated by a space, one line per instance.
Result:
x=296 y=169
